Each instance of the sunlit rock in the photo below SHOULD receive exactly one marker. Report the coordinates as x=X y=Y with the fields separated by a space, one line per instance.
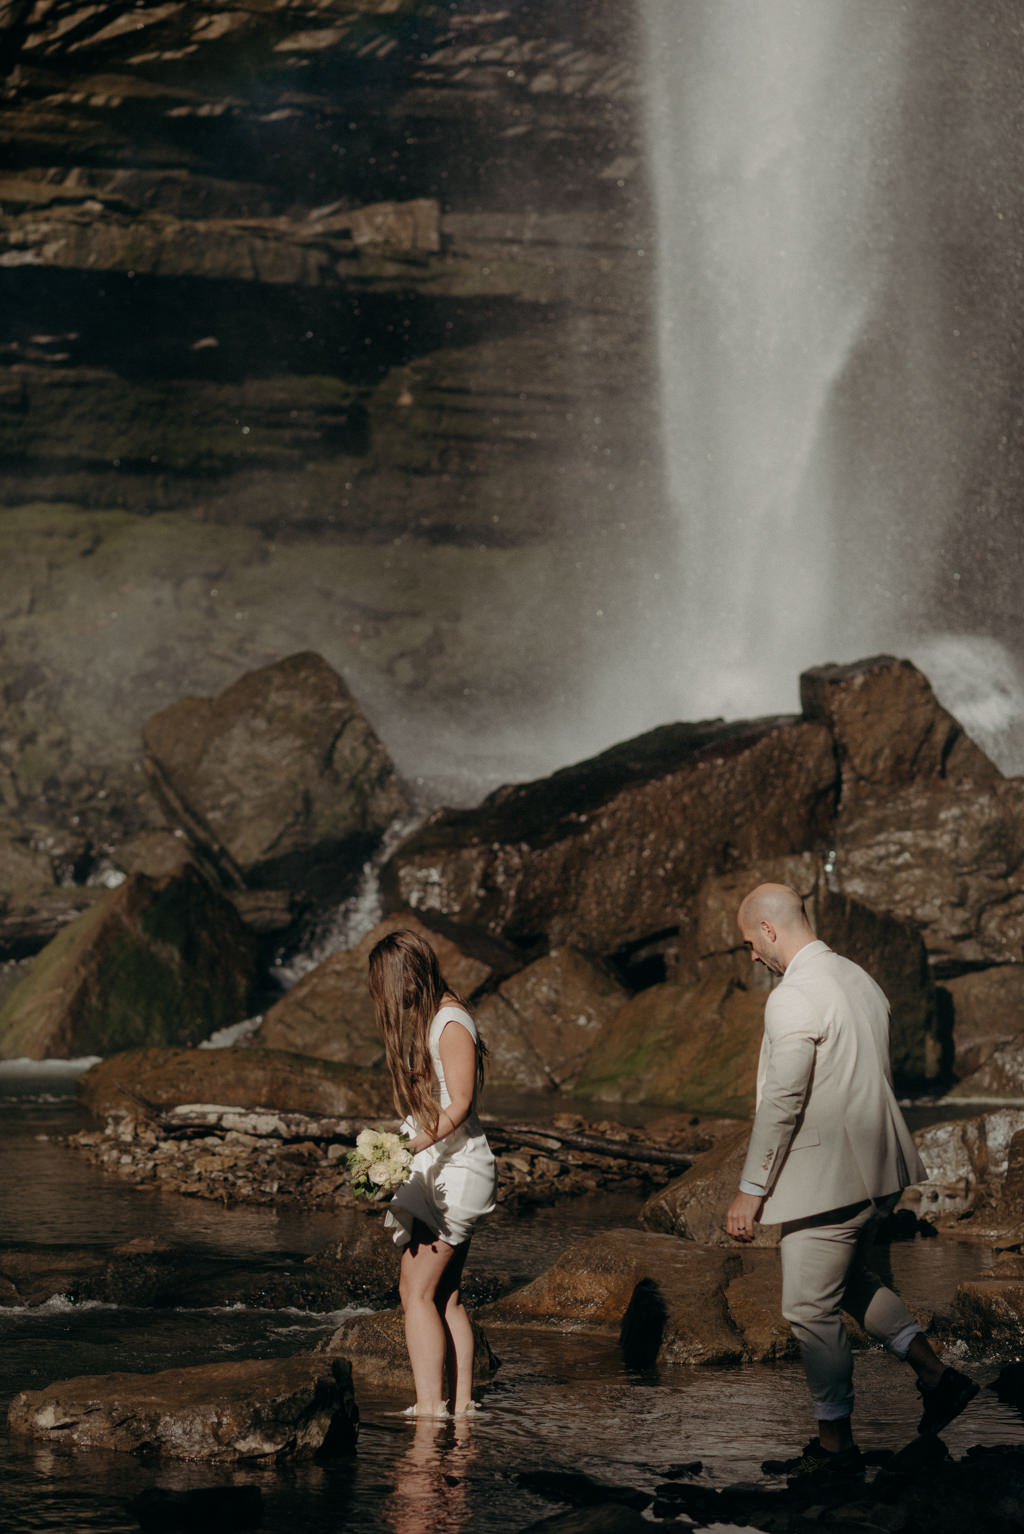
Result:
x=266 y=1409
x=665 y=1300
x=329 y=1013
x=244 y=1078
x=605 y=854
x=964 y=1158
x=280 y=780
x=544 y=1023
x=155 y=961
x=693 y=1206
x=889 y=728
x=1000 y=1078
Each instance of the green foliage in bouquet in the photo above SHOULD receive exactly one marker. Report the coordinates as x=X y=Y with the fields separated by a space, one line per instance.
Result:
x=380 y=1163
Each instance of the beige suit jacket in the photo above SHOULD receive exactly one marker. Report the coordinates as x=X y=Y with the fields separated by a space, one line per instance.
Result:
x=828 y=1130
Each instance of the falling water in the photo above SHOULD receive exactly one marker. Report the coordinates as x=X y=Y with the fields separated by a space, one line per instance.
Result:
x=826 y=391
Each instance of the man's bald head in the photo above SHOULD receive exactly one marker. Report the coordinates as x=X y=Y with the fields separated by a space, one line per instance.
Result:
x=774 y=925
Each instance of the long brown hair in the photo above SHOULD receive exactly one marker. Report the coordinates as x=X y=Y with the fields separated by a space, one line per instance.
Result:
x=408 y=990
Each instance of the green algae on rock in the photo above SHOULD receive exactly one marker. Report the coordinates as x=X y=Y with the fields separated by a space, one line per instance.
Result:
x=155 y=961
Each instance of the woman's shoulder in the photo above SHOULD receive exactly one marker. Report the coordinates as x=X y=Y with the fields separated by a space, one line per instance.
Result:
x=451 y=1012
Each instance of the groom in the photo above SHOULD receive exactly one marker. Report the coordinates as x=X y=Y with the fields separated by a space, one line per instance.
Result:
x=829 y=1154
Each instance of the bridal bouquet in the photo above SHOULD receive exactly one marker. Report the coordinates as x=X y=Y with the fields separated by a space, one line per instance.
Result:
x=380 y=1163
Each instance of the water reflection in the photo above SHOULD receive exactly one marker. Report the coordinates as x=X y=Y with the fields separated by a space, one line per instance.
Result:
x=432 y=1478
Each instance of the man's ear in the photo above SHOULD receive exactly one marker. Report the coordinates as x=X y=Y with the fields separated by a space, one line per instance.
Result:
x=769 y=931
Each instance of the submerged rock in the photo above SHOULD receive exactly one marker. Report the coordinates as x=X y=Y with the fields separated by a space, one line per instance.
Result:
x=374 y=1346
x=156 y=961
x=279 y=780
x=605 y=854
x=148 y=1272
x=255 y=1409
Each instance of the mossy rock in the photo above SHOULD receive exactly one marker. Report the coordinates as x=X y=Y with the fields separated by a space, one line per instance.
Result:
x=156 y=961
x=688 y=1047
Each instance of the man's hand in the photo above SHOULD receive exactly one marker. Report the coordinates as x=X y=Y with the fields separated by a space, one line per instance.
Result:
x=743 y=1214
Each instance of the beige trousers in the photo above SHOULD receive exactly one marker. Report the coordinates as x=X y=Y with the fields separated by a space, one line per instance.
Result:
x=825 y=1269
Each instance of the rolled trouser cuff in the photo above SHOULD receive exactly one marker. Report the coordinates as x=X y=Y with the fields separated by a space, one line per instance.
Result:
x=900 y=1344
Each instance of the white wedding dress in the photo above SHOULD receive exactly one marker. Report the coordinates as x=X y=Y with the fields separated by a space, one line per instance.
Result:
x=455 y=1180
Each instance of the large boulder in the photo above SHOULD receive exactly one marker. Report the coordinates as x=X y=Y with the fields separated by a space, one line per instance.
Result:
x=155 y=961
x=542 y=1024
x=686 y=1046
x=966 y=1161
x=889 y=728
x=280 y=779
x=604 y=854
x=947 y=858
x=666 y=1301
x=253 y=1409
x=240 y=1078
x=329 y=1012
x=693 y=1206
x=890 y=949
x=987 y=1007
x=999 y=1079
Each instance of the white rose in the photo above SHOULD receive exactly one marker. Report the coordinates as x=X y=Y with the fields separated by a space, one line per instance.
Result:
x=366 y=1142
x=378 y=1173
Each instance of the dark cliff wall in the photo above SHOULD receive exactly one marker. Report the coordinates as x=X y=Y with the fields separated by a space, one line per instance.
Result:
x=323 y=326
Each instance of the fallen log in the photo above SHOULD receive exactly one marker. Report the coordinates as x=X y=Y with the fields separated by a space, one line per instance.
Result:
x=554 y=1139
x=191 y=1120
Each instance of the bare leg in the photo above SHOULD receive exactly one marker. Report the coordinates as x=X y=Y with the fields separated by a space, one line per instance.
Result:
x=835 y=1434
x=424 y=1263
x=922 y=1359
x=459 y=1333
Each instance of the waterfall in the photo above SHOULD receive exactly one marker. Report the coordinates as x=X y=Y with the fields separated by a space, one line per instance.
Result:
x=821 y=431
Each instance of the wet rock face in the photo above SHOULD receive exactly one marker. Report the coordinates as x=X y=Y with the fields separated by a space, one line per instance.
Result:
x=281 y=286
x=276 y=1409
x=606 y=853
x=950 y=861
x=889 y=728
x=279 y=781
x=543 y=1024
x=154 y=961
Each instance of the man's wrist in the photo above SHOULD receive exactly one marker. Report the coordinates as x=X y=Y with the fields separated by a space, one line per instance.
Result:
x=751 y=1188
